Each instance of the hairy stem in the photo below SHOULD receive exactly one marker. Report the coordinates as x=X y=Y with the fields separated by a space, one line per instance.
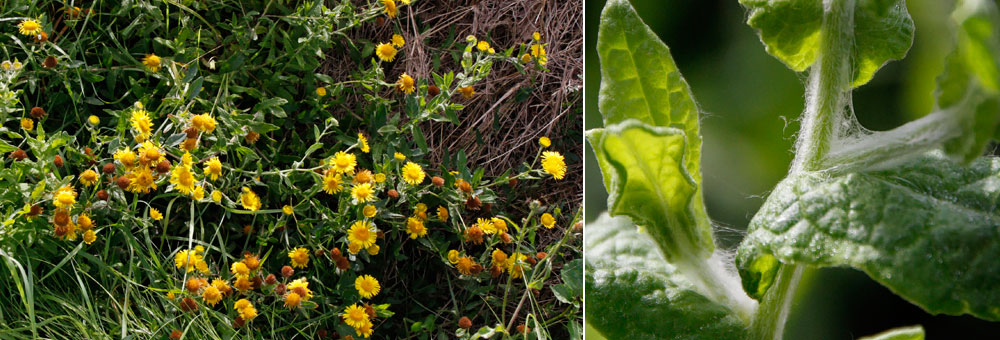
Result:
x=827 y=95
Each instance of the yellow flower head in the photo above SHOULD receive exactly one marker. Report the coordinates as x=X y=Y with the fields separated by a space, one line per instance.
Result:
x=29 y=27
x=64 y=197
x=93 y=120
x=213 y=168
x=248 y=312
x=467 y=92
x=287 y=209
x=499 y=257
x=211 y=296
x=379 y=178
x=141 y=124
x=369 y=211
x=84 y=222
x=189 y=260
x=453 y=256
x=299 y=257
x=250 y=200
x=385 y=52
x=413 y=173
x=390 y=7
x=399 y=156
x=183 y=180
x=406 y=84
x=397 y=40
x=354 y=247
x=367 y=286
x=344 y=162
x=362 y=233
x=240 y=269
x=321 y=91
x=187 y=160
x=126 y=157
x=355 y=316
x=554 y=164
x=141 y=180
x=544 y=141
x=155 y=214
x=548 y=221
x=216 y=196
x=465 y=265
x=292 y=300
x=301 y=286
x=198 y=194
x=442 y=213
x=152 y=62
x=331 y=182
x=537 y=36
x=203 y=122
x=364 y=143
x=499 y=224
x=415 y=227
x=486 y=225
x=373 y=250
x=150 y=153
x=483 y=46
x=89 y=236
x=27 y=124
x=362 y=193
x=525 y=58
x=88 y=178
x=363 y=176
x=365 y=330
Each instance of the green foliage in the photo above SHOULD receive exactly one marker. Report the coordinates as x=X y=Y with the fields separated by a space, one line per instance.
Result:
x=882 y=31
x=633 y=292
x=902 y=333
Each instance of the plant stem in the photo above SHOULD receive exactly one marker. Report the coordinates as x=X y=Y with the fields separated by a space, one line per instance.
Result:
x=828 y=93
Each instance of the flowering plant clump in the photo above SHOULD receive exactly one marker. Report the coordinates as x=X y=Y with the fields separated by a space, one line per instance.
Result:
x=184 y=170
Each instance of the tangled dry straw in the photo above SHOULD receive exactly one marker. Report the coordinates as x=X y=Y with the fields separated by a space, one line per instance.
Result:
x=553 y=107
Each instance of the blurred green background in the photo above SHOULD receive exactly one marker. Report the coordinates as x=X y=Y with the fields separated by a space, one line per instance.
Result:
x=750 y=104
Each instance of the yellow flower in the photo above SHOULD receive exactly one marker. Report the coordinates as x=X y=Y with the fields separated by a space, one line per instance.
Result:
x=354 y=247
x=331 y=182
x=355 y=316
x=199 y=193
x=93 y=120
x=385 y=52
x=499 y=224
x=242 y=304
x=442 y=213
x=367 y=286
x=362 y=193
x=365 y=330
x=483 y=45
x=361 y=233
x=142 y=124
x=301 y=286
x=84 y=222
x=373 y=250
x=287 y=209
x=499 y=257
x=29 y=27
x=27 y=124
x=413 y=173
x=292 y=300
x=406 y=84
x=126 y=157
x=514 y=265
x=465 y=265
x=64 y=197
x=405 y=2
x=150 y=154
x=343 y=162
x=89 y=237
x=544 y=141
x=240 y=269
x=397 y=40
x=486 y=225
x=364 y=143
x=467 y=92
x=250 y=200
x=525 y=58
x=538 y=51
x=216 y=196
x=152 y=62
x=553 y=163
x=243 y=284
x=415 y=227
x=141 y=180
x=548 y=221
x=537 y=36
x=191 y=260
x=453 y=256
x=379 y=178
x=321 y=91
x=247 y=312
x=183 y=180
x=470 y=38
x=399 y=156
x=203 y=122
x=211 y=296
x=369 y=211
x=390 y=7
x=213 y=168
x=222 y=286
x=88 y=178
x=363 y=176
x=299 y=257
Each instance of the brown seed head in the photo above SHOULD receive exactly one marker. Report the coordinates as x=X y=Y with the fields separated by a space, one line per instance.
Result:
x=473 y=203
x=438 y=181
x=50 y=62
x=280 y=289
x=18 y=155
x=464 y=322
x=102 y=195
x=37 y=112
x=163 y=166
x=393 y=193
x=123 y=182
x=176 y=334
x=287 y=271
x=58 y=161
x=35 y=210
x=109 y=168
x=433 y=90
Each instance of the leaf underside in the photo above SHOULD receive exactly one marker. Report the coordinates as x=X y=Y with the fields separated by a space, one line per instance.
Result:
x=902 y=333
x=633 y=293
x=928 y=229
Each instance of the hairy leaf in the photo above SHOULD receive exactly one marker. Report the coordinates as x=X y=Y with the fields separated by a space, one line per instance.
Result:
x=928 y=229
x=790 y=30
x=643 y=170
x=633 y=293
x=970 y=83
x=902 y=333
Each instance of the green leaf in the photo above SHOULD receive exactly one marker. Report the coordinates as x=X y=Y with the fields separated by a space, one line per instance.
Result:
x=902 y=333
x=646 y=180
x=790 y=30
x=970 y=83
x=926 y=229
x=633 y=293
